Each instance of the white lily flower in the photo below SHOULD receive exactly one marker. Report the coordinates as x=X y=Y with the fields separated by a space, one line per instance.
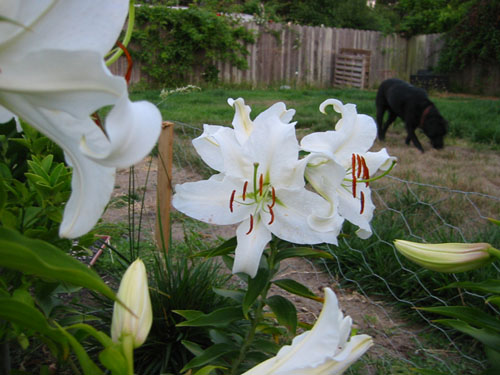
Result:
x=260 y=185
x=340 y=166
x=327 y=349
x=53 y=76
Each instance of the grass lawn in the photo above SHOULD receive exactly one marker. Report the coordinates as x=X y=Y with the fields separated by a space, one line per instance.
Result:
x=470 y=118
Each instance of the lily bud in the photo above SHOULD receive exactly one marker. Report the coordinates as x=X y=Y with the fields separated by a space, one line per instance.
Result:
x=134 y=294
x=446 y=257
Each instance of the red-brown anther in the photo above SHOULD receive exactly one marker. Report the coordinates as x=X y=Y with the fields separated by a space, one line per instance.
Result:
x=353 y=169
x=261 y=183
x=273 y=194
x=245 y=190
x=251 y=225
x=128 y=74
x=366 y=172
x=360 y=165
x=231 y=201
x=354 y=187
x=272 y=214
x=362 y=199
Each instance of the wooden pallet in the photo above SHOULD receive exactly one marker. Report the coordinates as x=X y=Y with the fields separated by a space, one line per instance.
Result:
x=349 y=71
x=352 y=68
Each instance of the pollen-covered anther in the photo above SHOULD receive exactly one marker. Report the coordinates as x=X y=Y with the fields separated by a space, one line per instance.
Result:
x=261 y=184
x=366 y=172
x=360 y=165
x=245 y=186
x=353 y=172
x=251 y=225
x=231 y=200
x=362 y=200
x=273 y=196
x=271 y=212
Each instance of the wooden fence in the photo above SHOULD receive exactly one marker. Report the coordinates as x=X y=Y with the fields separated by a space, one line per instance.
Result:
x=305 y=55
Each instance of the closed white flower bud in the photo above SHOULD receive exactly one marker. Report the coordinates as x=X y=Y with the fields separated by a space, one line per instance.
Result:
x=134 y=294
x=446 y=257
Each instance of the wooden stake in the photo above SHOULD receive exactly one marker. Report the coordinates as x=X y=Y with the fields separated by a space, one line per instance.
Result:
x=164 y=186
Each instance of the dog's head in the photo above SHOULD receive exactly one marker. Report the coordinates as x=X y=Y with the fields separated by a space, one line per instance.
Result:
x=435 y=127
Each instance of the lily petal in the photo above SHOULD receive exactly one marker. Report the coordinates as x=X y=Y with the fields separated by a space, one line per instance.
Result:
x=252 y=239
x=242 y=123
x=209 y=200
x=70 y=25
x=208 y=146
x=132 y=129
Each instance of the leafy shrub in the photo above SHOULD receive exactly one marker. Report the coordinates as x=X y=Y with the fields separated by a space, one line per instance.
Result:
x=173 y=43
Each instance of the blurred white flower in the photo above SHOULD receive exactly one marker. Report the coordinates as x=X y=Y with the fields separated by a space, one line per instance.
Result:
x=340 y=167
x=53 y=76
x=326 y=349
x=133 y=293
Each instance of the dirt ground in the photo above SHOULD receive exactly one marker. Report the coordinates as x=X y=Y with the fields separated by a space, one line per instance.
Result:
x=457 y=167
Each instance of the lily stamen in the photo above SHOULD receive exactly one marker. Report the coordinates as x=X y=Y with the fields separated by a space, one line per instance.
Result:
x=231 y=201
x=362 y=199
x=353 y=172
x=245 y=190
x=271 y=212
x=360 y=165
x=251 y=225
x=273 y=195
x=261 y=183
x=366 y=172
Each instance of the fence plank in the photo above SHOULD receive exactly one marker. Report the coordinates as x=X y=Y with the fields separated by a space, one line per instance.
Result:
x=164 y=184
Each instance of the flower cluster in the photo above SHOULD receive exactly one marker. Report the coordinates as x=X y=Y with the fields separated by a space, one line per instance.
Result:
x=53 y=76
x=261 y=179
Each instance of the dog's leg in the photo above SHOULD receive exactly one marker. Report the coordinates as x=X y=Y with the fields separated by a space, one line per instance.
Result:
x=413 y=137
x=390 y=120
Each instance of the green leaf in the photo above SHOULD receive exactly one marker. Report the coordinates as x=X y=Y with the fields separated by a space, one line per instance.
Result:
x=487 y=286
x=226 y=248
x=44 y=260
x=427 y=372
x=285 y=312
x=209 y=355
x=113 y=359
x=236 y=295
x=193 y=347
x=494 y=299
x=486 y=336
x=255 y=288
x=27 y=316
x=296 y=288
x=218 y=318
x=468 y=314
x=302 y=252
x=207 y=370
x=189 y=314
x=88 y=366
x=3 y=194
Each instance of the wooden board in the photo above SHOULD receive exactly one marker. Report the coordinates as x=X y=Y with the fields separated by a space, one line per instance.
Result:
x=164 y=186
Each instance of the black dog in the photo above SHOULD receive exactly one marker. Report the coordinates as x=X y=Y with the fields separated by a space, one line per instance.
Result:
x=413 y=106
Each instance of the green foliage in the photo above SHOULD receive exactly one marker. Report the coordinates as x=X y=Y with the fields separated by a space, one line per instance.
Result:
x=173 y=43
x=35 y=182
x=475 y=39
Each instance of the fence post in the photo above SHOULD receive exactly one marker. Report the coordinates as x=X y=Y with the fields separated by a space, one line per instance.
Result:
x=164 y=185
